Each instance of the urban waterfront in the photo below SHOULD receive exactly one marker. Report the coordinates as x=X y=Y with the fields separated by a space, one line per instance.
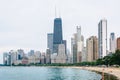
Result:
x=46 y=73
x=47 y=40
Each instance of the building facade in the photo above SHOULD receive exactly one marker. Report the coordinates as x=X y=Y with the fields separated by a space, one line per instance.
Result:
x=118 y=43
x=57 y=35
x=48 y=56
x=20 y=54
x=77 y=46
x=50 y=41
x=112 y=43
x=6 y=58
x=61 y=57
x=84 y=55
x=102 y=38
x=74 y=48
x=92 y=48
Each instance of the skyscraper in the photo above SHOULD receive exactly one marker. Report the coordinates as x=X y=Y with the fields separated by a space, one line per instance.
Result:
x=50 y=41
x=112 y=43
x=77 y=45
x=57 y=35
x=78 y=33
x=92 y=48
x=74 y=48
x=84 y=55
x=102 y=38
x=80 y=44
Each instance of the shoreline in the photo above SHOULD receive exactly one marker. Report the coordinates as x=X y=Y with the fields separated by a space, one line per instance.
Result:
x=112 y=71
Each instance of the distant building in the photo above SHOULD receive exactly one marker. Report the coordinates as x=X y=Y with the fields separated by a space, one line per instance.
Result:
x=80 y=46
x=102 y=38
x=65 y=43
x=118 y=43
x=69 y=57
x=53 y=58
x=74 y=48
x=61 y=57
x=6 y=58
x=17 y=62
x=31 y=53
x=112 y=43
x=50 y=41
x=48 y=56
x=92 y=48
x=13 y=55
x=84 y=55
x=57 y=35
x=37 y=54
x=25 y=60
x=78 y=33
x=77 y=45
x=31 y=59
x=19 y=57
x=20 y=53
x=42 y=59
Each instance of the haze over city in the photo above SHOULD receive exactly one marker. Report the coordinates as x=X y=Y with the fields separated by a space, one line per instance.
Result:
x=25 y=23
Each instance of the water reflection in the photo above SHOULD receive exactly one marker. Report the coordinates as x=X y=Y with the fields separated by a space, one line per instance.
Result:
x=71 y=74
x=57 y=74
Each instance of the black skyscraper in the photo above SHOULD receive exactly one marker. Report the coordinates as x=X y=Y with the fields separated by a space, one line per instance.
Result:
x=57 y=35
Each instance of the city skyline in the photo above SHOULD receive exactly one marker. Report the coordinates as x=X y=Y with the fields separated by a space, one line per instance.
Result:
x=25 y=24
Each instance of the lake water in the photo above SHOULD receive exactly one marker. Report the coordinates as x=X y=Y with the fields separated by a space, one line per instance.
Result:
x=46 y=73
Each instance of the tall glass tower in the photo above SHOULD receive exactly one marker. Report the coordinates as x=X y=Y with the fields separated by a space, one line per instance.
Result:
x=57 y=35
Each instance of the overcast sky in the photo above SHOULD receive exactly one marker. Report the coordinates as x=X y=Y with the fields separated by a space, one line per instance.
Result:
x=25 y=23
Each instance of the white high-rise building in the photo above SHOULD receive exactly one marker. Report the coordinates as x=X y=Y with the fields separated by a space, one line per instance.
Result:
x=77 y=45
x=78 y=33
x=112 y=43
x=13 y=55
x=80 y=44
x=102 y=38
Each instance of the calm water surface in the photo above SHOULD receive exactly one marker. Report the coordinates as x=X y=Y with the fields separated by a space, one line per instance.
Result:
x=46 y=73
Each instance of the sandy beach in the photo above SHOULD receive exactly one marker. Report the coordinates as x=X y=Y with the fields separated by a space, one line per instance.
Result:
x=113 y=71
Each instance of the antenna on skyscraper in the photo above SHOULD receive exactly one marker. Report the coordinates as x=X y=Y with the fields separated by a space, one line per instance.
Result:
x=59 y=13
x=55 y=12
